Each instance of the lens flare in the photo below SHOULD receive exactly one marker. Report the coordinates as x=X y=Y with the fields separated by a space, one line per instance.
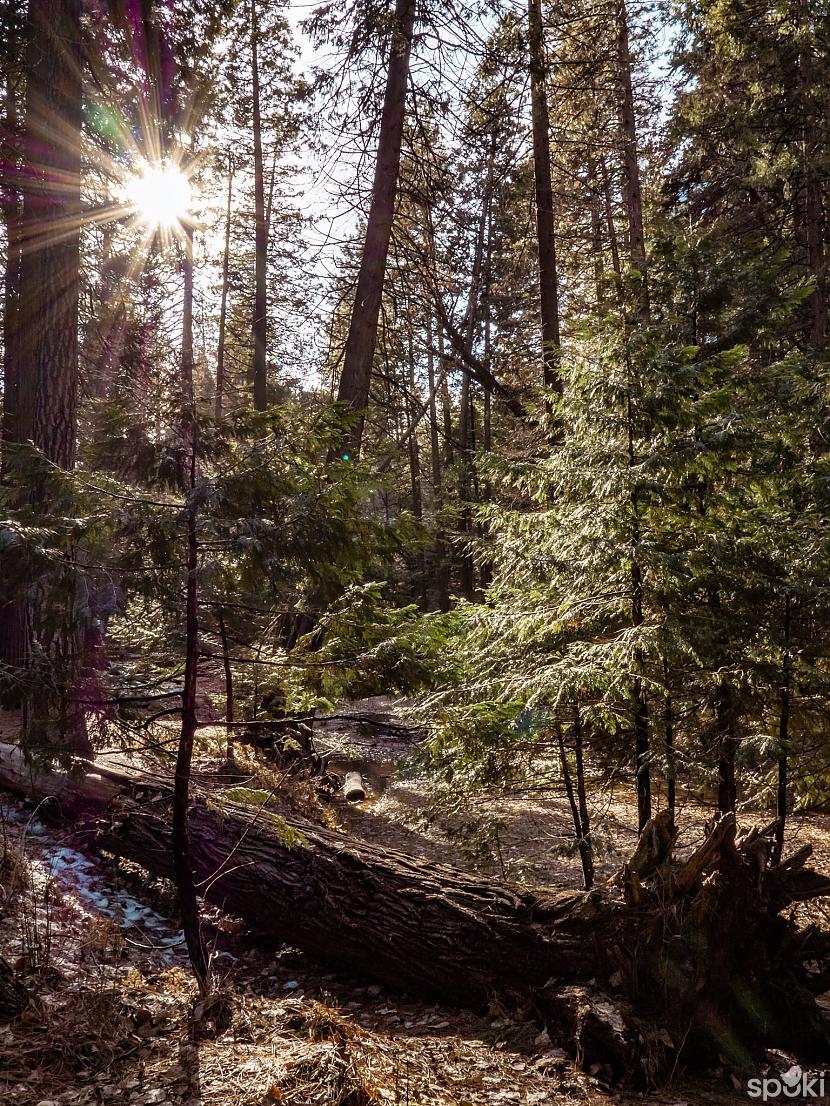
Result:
x=159 y=195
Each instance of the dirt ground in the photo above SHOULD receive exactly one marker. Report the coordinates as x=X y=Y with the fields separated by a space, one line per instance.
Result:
x=113 y=1020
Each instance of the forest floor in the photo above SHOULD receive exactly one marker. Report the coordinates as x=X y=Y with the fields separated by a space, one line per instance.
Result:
x=114 y=1022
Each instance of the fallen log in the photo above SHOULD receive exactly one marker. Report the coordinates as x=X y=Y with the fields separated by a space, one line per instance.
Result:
x=353 y=788
x=686 y=961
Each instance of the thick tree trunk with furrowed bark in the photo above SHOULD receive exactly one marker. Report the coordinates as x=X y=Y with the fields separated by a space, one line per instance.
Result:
x=685 y=961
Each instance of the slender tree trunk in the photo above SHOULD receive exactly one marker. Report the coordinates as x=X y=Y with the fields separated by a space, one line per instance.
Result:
x=112 y=323
x=229 y=691
x=545 y=233
x=725 y=728
x=811 y=155
x=639 y=694
x=671 y=763
x=465 y=417
x=188 y=398
x=586 y=848
x=465 y=442
x=223 y=306
x=439 y=548
x=411 y=414
x=783 y=737
x=639 y=691
x=727 y=752
x=486 y=564
x=596 y=233
x=355 y=378
x=434 y=439
x=182 y=846
x=579 y=831
x=613 y=241
x=631 y=163
x=260 y=317
x=269 y=210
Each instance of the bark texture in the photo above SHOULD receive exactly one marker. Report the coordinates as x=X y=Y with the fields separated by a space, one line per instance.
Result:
x=355 y=378
x=41 y=333
x=545 y=234
x=47 y=327
x=676 y=961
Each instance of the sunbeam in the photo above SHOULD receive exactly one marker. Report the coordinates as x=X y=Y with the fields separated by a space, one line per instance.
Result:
x=159 y=195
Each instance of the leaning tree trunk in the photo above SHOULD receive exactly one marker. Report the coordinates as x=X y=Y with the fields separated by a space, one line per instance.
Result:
x=674 y=961
x=355 y=378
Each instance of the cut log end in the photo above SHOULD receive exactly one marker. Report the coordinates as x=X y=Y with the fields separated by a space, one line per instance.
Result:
x=353 y=788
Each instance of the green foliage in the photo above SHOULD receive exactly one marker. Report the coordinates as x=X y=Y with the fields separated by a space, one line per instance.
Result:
x=287 y=836
x=370 y=647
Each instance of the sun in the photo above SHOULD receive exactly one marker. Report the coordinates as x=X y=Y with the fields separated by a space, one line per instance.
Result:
x=159 y=195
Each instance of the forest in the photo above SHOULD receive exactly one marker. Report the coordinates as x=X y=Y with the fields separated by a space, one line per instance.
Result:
x=414 y=552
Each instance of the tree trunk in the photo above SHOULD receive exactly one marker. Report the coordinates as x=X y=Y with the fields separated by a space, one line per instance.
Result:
x=466 y=445
x=546 y=239
x=631 y=162
x=441 y=573
x=356 y=374
x=11 y=215
x=13 y=636
x=639 y=689
x=260 y=315
x=181 y=843
x=188 y=397
x=671 y=760
x=702 y=955
x=50 y=232
x=223 y=305
x=229 y=690
x=783 y=737
x=44 y=350
x=596 y=233
x=577 y=811
x=586 y=848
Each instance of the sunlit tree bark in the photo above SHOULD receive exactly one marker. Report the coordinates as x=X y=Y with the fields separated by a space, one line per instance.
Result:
x=355 y=378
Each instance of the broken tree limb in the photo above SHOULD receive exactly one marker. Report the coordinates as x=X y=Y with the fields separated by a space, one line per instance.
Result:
x=700 y=969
